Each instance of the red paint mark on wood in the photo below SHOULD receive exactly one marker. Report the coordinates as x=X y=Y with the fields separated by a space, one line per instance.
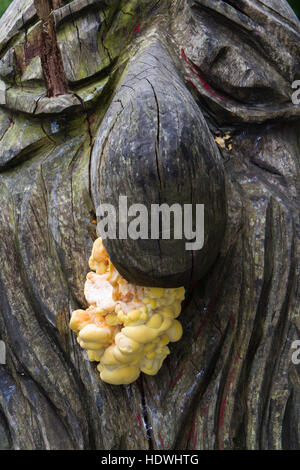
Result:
x=176 y=379
x=51 y=58
x=204 y=405
x=200 y=328
x=136 y=29
x=192 y=83
x=139 y=419
x=193 y=435
x=71 y=168
x=139 y=384
x=184 y=57
x=161 y=441
x=196 y=71
x=195 y=441
x=192 y=431
x=205 y=84
x=230 y=378
x=223 y=404
x=31 y=51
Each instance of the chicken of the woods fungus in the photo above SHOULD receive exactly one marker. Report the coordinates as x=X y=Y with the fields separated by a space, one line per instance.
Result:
x=126 y=328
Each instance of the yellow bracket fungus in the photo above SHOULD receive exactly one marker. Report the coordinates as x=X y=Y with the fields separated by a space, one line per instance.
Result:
x=126 y=328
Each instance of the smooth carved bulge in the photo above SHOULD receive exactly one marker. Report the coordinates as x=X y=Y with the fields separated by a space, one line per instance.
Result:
x=154 y=147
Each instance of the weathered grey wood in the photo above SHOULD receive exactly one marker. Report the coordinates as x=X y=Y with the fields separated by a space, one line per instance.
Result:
x=230 y=382
x=152 y=141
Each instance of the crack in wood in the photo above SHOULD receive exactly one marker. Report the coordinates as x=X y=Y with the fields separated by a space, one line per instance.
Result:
x=51 y=58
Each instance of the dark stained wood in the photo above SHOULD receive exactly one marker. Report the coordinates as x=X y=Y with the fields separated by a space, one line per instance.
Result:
x=51 y=59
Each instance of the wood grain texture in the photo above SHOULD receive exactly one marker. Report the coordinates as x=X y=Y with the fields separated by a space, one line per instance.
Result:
x=227 y=69
x=154 y=147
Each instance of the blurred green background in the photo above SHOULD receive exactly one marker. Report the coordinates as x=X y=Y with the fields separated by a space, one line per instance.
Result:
x=3 y=5
x=294 y=3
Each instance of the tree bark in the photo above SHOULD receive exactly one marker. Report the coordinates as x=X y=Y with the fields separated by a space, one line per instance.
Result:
x=230 y=382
